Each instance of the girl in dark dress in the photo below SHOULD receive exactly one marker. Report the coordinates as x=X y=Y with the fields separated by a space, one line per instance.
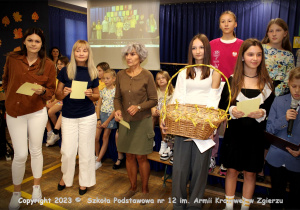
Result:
x=243 y=145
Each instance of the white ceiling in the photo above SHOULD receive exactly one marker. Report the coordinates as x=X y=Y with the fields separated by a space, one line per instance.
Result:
x=81 y=3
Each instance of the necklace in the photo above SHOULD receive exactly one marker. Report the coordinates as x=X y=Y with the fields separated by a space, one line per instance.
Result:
x=249 y=76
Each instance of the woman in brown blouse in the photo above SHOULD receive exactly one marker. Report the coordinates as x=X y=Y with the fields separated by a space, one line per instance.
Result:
x=26 y=115
x=135 y=96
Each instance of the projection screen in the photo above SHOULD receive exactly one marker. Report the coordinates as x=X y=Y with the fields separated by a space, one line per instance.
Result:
x=116 y=23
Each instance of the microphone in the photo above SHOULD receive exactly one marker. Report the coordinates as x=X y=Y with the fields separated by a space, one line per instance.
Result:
x=294 y=105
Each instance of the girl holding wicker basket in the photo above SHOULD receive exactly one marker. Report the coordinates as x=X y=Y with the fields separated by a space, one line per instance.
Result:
x=196 y=85
x=243 y=145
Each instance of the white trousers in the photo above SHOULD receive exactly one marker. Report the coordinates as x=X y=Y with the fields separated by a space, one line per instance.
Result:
x=21 y=129
x=78 y=134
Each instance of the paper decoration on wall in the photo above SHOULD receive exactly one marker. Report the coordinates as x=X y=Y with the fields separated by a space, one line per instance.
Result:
x=121 y=7
x=17 y=16
x=17 y=48
x=117 y=8
x=130 y=7
x=5 y=21
x=18 y=33
x=35 y=16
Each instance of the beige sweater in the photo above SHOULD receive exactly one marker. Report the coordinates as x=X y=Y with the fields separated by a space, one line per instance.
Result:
x=139 y=90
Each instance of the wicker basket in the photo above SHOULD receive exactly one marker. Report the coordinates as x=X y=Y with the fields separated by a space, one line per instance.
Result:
x=191 y=120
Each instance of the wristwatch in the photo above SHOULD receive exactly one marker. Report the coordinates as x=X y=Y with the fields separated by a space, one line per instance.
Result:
x=139 y=108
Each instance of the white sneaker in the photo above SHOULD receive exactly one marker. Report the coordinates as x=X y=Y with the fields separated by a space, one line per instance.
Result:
x=36 y=193
x=171 y=160
x=49 y=134
x=212 y=165
x=163 y=147
x=98 y=165
x=14 y=201
x=53 y=138
x=167 y=154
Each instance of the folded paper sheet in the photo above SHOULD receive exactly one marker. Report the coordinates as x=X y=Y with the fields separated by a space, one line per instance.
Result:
x=78 y=89
x=26 y=88
x=248 y=106
x=124 y=123
x=203 y=145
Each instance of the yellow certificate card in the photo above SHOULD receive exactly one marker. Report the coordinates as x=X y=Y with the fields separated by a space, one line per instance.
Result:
x=248 y=106
x=78 y=89
x=26 y=88
x=126 y=124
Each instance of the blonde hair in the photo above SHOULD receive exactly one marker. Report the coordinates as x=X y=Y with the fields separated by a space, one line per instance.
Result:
x=167 y=76
x=72 y=67
x=111 y=72
x=294 y=74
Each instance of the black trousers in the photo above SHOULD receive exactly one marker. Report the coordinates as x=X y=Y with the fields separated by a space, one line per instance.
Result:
x=279 y=179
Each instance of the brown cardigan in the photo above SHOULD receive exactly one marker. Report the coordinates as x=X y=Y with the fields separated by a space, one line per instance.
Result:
x=139 y=90
x=16 y=72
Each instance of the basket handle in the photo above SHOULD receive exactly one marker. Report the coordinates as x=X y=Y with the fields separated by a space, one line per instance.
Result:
x=164 y=109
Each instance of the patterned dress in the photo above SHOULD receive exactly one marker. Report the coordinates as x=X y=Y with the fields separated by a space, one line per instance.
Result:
x=279 y=63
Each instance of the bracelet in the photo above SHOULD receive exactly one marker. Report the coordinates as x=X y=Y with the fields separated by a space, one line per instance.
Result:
x=98 y=119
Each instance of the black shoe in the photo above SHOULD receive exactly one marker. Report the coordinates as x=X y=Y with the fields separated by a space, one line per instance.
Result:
x=241 y=175
x=82 y=192
x=120 y=165
x=260 y=178
x=61 y=187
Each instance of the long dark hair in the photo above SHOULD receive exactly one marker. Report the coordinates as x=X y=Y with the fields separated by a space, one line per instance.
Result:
x=42 y=53
x=286 y=44
x=190 y=73
x=238 y=78
x=50 y=53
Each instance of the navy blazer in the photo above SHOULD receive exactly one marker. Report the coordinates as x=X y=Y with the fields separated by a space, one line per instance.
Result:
x=277 y=125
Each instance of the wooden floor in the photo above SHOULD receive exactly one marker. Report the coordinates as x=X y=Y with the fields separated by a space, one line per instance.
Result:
x=111 y=184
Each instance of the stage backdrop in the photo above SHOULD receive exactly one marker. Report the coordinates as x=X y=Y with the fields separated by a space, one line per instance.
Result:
x=180 y=22
x=16 y=17
x=114 y=24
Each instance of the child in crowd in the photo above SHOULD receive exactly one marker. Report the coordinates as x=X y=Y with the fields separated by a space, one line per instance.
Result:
x=285 y=165
x=105 y=113
x=278 y=54
x=79 y=119
x=243 y=148
x=194 y=85
x=102 y=67
x=161 y=81
x=54 y=107
x=279 y=61
x=224 y=52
